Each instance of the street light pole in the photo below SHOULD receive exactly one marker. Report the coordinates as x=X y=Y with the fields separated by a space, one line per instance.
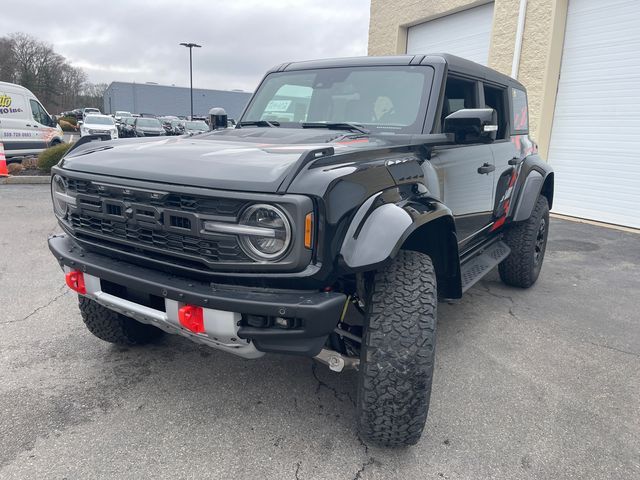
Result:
x=190 y=46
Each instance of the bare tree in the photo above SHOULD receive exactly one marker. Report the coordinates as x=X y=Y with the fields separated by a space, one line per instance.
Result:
x=93 y=94
x=7 y=60
x=72 y=81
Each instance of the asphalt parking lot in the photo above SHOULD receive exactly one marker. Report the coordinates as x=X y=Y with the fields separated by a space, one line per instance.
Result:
x=542 y=383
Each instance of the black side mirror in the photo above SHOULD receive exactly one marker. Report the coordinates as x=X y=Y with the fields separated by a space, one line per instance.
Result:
x=472 y=125
x=217 y=118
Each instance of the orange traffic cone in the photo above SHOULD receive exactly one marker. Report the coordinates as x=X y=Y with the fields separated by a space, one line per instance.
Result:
x=3 y=162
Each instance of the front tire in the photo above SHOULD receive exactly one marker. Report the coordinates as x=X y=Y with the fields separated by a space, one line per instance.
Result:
x=397 y=356
x=528 y=243
x=115 y=328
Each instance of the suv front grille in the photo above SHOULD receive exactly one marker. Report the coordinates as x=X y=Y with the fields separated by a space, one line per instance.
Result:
x=226 y=250
x=189 y=203
x=155 y=223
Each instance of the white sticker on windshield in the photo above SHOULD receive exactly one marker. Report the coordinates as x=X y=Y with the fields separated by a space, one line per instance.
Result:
x=278 y=106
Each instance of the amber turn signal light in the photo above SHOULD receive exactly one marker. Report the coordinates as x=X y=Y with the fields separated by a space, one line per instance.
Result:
x=308 y=230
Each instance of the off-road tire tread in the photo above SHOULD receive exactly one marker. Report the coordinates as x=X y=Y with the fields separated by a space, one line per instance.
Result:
x=113 y=327
x=518 y=269
x=398 y=349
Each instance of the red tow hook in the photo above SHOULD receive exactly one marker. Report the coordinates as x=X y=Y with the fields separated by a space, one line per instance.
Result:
x=192 y=318
x=75 y=281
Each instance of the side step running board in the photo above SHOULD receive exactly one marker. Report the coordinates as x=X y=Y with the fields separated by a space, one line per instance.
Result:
x=479 y=265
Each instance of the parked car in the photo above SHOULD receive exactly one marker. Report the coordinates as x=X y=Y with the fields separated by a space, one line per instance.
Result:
x=329 y=230
x=195 y=127
x=90 y=111
x=125 y=127
x=147 y=127
x=166 y=123
x=26 y=128
x=98 y=125
x=175 y=127
x=120 y=114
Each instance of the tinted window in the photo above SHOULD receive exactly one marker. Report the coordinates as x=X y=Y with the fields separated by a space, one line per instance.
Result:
x=389 y=98
x=458 y=94
x=495 y=97
x=520 y=112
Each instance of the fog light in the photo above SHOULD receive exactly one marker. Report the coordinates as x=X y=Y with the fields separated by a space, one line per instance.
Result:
x=283 y=322
x=75 y=281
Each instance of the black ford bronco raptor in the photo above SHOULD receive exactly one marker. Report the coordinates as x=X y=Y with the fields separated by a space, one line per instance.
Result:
x=350 y=197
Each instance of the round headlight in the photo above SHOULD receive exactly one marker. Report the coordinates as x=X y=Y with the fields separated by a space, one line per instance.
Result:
x=277 y=232
x=58 y=193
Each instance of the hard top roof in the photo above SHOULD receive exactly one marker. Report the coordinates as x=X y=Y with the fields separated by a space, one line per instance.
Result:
x=455 y=64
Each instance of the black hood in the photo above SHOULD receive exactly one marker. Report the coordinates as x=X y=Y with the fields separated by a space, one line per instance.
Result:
x=247 y=159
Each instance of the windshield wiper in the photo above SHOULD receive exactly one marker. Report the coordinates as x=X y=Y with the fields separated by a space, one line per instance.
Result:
x=336 y=126
x=260 y=123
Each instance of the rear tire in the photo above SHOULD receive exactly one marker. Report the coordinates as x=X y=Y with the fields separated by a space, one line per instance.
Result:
x=528 y=243
x=396 y=365
x=115 y=328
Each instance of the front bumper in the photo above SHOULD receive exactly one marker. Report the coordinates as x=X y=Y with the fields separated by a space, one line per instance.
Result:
x=318 y=312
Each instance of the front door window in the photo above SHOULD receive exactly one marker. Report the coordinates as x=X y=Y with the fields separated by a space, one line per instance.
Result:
x=39 y=113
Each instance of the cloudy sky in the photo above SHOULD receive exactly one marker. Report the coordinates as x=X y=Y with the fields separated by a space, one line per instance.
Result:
x=138 y=40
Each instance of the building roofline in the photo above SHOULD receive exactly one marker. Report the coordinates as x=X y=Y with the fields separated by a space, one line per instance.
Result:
x=145 y=84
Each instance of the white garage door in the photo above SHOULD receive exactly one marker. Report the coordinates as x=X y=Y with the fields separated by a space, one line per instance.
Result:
x=465 y=34
x=595 y=141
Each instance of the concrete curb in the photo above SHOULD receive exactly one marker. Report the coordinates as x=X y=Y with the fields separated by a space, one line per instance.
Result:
x=26 y=180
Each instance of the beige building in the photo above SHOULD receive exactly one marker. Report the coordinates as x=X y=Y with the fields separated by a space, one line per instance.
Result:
x=579 y=61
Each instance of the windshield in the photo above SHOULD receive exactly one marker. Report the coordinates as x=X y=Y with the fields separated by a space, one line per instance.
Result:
x=149 y=122
x=196 y=126
x=380 y=98
x=99 y=120
x=91 y=110
x=123 y=114
x=129 y=120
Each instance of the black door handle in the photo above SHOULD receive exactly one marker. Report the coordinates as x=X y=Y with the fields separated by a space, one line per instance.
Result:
x=514 y=161
x=486 y=168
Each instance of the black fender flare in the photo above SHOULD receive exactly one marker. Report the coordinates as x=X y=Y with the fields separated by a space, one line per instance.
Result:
x=536 y=177
x=379 y=230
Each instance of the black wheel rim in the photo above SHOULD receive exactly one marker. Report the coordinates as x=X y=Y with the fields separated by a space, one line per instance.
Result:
x=538 y=251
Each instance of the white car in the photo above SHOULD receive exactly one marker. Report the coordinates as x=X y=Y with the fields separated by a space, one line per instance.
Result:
x=120 y=114
x=98 y=125
x=90 y=111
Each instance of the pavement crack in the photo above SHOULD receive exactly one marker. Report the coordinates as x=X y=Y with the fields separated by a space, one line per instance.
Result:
x=635 y=354
x=339 y=395
x=37 y=309
x=298 y=470
x=364 y=445
x=363 y=468
x=488 y=290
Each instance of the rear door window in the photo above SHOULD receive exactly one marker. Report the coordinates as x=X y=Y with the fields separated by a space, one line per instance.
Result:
x=520 y=118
